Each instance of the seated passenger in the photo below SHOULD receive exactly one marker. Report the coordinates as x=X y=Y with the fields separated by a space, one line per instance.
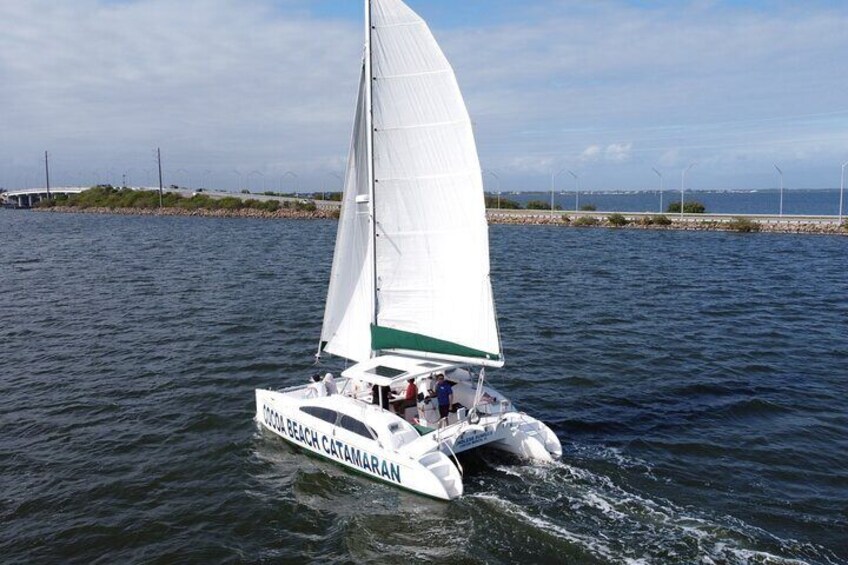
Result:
x=330 y=384
x=409 y=399
x=316 y=388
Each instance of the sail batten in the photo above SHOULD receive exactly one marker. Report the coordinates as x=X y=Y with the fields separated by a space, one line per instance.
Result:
x=429 y=261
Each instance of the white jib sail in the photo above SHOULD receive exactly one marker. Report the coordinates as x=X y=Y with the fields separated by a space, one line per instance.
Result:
x=432 y=248
x=348 y=313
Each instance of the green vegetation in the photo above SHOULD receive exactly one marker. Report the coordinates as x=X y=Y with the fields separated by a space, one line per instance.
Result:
x=585 y=221
x=743 y=225
x=689 y=207
x=107 y=196
x=540 y=205
x=617 y=220
x=655 y=220
x=589 y=207
x=505 y=203
x=305 y=206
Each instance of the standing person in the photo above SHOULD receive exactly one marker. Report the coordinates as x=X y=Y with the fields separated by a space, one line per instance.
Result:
x=444 y=392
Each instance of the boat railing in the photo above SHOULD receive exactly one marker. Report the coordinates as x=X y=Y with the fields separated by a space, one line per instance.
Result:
x=442 y=441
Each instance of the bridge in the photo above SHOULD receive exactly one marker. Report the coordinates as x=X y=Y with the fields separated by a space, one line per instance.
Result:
x=28 y=197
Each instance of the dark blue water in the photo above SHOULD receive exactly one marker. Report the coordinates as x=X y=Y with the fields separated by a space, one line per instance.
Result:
x=697 y=382
x=795 y=201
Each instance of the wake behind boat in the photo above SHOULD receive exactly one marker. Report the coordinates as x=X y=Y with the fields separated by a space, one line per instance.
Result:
x=410 y=299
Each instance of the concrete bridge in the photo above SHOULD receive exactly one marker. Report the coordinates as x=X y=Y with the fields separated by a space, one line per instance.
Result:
x=28 y=197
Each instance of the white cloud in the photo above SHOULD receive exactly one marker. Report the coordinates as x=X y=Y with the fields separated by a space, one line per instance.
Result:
x=591 y=153
x=256 y=85
x=618 y=152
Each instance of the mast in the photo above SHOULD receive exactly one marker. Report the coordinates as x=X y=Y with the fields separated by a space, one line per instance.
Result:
x=369 y=123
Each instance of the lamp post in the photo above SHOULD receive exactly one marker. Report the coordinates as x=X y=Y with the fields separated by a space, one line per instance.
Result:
x=254 y=173
x=683 y=185
x=498 y=189
x=341 y=180
x=780 y=210
x=294 y=176
x=841 y=190
x=553 y=176
x=576 y=190
x=659 y=174
x=187 y=176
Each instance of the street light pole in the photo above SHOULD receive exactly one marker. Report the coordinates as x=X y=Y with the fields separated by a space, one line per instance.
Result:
x=576 y=190
x=780 y=212
x=553 y=176
x=47 y=174
x=683 y=185
x=159 y=162
x=294 y=176
x=498 y=180
x=659 y=174
x=841 y=190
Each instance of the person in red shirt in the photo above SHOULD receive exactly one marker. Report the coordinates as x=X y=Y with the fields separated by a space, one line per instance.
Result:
x=410 y=398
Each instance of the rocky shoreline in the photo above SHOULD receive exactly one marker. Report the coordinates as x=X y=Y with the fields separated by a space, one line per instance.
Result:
x=281 y=213
x=561 y=220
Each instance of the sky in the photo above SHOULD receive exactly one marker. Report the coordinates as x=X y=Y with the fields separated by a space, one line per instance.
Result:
x=261 y=93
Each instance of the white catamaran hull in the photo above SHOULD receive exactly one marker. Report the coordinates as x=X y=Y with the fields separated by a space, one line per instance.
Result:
x=430 y=473
x=348 y=429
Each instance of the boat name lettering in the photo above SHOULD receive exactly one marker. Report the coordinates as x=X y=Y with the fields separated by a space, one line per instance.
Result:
x=330 y=446
x=471 y=439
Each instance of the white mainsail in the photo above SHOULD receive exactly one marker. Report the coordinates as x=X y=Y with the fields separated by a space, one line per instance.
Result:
x=432 y=250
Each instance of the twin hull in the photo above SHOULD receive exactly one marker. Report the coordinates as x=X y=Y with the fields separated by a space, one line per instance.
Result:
x=422 y=465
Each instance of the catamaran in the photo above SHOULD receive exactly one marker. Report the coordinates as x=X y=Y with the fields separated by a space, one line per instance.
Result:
x=410 y=299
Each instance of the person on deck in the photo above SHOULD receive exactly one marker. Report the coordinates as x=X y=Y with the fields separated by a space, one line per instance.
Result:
x=444 y=392
x=330 y=384
x=317 y=388
x=409 y=400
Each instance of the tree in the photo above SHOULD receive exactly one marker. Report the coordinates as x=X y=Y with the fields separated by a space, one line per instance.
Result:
x=689 y=207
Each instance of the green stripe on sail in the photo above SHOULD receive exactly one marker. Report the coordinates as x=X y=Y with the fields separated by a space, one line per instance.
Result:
x=388 y=338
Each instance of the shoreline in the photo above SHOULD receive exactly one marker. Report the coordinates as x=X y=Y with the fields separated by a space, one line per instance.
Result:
x=562 y=219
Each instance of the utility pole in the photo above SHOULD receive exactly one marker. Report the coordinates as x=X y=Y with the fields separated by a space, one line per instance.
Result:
x=159 y=162
x=47 y=174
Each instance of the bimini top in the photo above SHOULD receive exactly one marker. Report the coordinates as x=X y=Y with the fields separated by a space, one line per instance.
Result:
x=387 y=369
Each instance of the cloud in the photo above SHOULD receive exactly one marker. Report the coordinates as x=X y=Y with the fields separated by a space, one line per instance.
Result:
x=618 y=152
x=257 y=85
x=591 y=153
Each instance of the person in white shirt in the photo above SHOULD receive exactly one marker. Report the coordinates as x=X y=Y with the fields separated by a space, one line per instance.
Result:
x=330 y=384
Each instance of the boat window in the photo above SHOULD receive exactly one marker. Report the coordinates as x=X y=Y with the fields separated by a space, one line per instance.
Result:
x=387 y=372
x=357 y=427
x=321 y=413
x=429 y=365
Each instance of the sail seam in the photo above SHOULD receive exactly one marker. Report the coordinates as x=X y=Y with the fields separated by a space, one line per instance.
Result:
x=429 y=177
x=399 y=24
x=427 y=125
x=410 y=75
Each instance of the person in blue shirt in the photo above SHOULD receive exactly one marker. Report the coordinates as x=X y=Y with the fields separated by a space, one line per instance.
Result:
x=444 y=392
